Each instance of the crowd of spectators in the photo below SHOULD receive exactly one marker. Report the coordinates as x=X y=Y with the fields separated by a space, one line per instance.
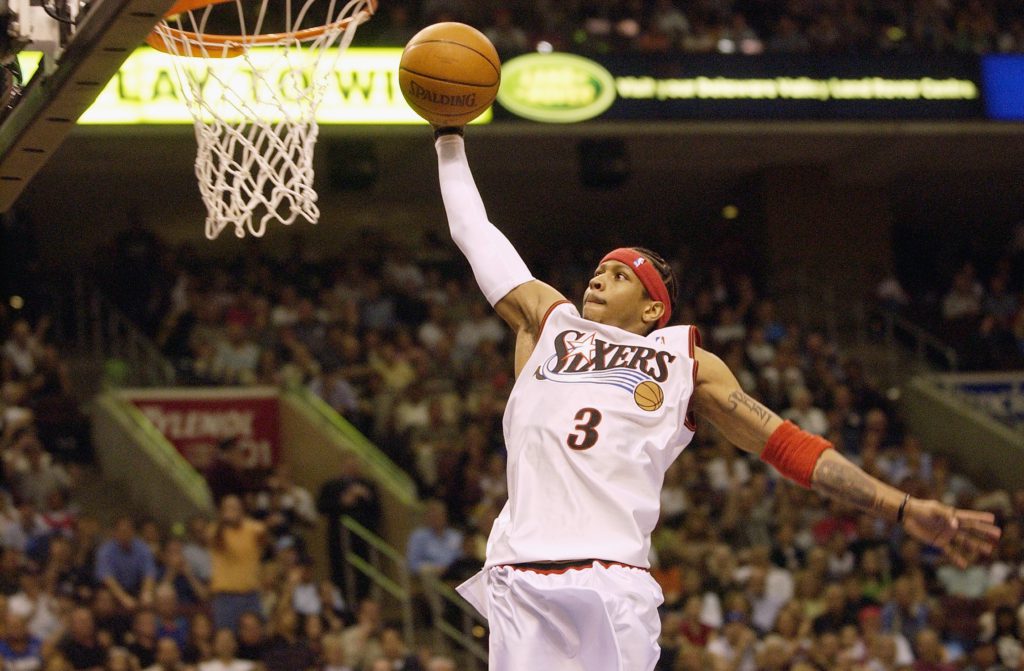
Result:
x=758 y=574
x=721 y=26
x=234 y=593
x=980 y=311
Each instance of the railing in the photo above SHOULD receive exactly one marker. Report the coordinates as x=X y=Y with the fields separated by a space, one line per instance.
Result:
x=444 y=600
x=384 y=469
x=926 y=346
x=93 y=327
x=441 y=598
x=377 y=548
x=130 y=449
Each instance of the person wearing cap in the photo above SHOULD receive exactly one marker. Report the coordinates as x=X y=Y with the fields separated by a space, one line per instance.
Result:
x=606 y=397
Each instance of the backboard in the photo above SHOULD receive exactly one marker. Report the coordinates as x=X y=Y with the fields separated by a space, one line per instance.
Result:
x=84 y=44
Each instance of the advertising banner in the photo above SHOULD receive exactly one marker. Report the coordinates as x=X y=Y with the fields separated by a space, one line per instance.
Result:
x=570 y=88
x=196 y=420
x=999 y=394
x=565 y=88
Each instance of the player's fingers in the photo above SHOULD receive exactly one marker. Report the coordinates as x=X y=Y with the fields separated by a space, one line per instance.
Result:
x=981 y=528
x=975 y=516
x=956 y=556
x=975 y=545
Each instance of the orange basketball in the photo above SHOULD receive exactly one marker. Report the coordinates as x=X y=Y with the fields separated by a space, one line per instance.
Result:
x=648 y=395
x=449 y=73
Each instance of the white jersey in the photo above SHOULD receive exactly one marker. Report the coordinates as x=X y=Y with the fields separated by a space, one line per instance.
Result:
x=592 y=424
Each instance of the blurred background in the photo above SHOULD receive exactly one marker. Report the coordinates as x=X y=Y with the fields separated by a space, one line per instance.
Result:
x=283 y=452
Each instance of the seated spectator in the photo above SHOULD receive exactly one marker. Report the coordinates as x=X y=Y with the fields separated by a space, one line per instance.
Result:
x=199 y=646
x=964 y=298
x=22 y=350
x=176 y=572
x=225 y=648
x=905 y=611
x=141 y=640
x=504 y=34
x=837 y=612
x=196 y=548
x=804 y=414
x=18 y=648
x=729 y=329
x=286 y=650
x=236 y=356
x=929 y=653
x=735 y=648
x=125 y=565
x=334 y=655
x=167 y=657
x=36 y=602
x=81 y=645
x=362 y=639
x=434 y=545
x=119 y=659
x=252 y=639
x=23 y=529
x=169 y=621
x=32 y=472
x=441 y=663
x=395 y=653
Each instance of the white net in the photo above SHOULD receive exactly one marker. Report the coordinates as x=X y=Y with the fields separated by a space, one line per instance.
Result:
x=256 y=125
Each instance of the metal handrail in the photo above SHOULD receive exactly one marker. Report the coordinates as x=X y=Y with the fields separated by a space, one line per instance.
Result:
x=398 y=481
x=924 y=341
x=444 y=595
x=400 y=589
x=438 y=593
x=164 y=457
x=91 y=325
x=124 y=340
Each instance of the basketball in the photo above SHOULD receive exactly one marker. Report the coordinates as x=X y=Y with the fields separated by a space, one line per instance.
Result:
x=648 y=395
x=449 y=73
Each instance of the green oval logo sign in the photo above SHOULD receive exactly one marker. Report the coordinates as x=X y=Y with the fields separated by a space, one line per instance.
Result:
x=556 y=88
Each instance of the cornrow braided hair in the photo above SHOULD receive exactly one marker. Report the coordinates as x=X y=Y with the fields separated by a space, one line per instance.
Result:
x=664 y=269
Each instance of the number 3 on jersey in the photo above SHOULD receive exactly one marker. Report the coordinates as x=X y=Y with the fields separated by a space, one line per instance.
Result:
x=585 y=434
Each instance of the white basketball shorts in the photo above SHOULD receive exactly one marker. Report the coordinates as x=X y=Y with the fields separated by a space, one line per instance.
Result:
x=597 y=618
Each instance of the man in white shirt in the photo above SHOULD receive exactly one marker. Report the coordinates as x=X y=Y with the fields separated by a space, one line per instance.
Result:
x=224 y=649
x=804 y=414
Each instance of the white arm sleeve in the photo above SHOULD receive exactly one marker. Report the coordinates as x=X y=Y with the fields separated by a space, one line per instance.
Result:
x=496 y=265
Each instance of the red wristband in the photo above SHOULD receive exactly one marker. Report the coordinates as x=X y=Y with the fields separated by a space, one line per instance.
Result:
x=794 y=453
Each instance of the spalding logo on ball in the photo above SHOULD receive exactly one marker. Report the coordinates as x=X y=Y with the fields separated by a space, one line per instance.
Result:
x=449 y=73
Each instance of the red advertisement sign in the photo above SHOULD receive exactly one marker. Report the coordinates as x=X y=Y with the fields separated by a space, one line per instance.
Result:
x=197 y=420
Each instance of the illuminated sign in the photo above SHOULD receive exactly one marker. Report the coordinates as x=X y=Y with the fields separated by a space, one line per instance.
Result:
x=363 y=89
x=561 y=88
x=557 y=88
x=797 y=88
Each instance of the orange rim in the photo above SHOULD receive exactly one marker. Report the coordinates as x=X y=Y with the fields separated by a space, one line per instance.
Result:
x=228 y=46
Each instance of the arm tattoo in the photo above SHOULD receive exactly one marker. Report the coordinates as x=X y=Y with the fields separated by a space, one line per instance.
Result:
x=738 y=398
x=847 y=483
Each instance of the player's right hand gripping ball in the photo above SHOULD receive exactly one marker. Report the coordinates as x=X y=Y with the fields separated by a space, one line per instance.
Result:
x=449 y=73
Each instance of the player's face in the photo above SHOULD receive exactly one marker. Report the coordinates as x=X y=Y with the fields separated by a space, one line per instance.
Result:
x=616 y=297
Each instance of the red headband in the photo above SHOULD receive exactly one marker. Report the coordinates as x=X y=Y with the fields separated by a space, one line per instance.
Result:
x=648 y=275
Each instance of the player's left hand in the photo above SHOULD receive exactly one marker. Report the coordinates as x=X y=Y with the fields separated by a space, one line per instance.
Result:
x=963 y=535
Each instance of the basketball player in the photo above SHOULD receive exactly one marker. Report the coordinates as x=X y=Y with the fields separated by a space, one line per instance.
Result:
x=603 y=403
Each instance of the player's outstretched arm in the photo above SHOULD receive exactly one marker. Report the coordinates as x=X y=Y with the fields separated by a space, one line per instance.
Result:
x=808 y=460
x=506 y=282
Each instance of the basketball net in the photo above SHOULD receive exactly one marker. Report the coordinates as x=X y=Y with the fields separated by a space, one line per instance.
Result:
x=256 y=124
